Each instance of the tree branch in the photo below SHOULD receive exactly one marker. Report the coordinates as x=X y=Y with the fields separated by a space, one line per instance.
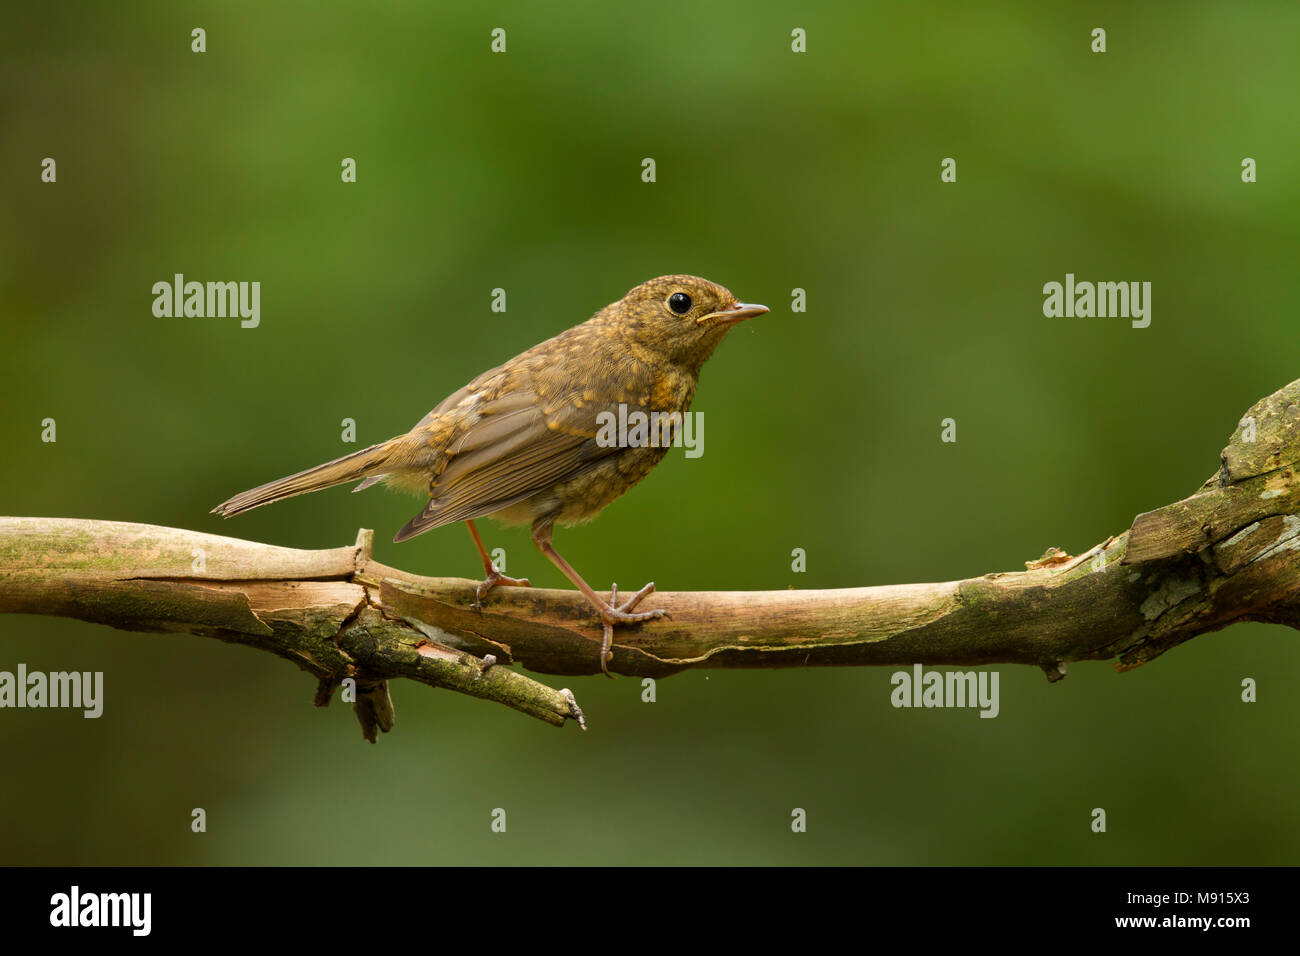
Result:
x=1230 y=552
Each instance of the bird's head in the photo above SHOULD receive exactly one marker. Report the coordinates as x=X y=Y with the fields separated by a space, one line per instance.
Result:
x=680 y=317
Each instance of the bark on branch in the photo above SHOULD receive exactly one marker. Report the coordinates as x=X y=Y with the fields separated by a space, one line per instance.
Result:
x=1230 y=552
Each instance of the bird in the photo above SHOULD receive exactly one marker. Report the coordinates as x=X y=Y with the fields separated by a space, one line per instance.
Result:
x=528 y=442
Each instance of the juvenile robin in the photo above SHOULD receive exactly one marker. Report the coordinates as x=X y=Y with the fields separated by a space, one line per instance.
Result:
x=527 y=442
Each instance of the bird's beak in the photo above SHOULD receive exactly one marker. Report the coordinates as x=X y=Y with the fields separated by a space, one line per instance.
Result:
x=738 y=312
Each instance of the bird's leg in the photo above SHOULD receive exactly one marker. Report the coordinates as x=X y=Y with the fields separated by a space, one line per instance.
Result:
x=494 y=577
x=610 y=612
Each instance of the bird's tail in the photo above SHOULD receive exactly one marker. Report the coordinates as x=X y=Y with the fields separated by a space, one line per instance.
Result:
x=396 y=454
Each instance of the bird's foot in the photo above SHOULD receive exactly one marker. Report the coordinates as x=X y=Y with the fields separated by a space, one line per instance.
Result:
x=494 y=578
x=614 y=613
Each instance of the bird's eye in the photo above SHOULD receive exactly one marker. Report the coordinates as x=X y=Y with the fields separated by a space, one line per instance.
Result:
x=680 y=303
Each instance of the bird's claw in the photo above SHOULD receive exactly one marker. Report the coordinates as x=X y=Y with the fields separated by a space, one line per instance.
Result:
x=615 y=613
x=492 y=580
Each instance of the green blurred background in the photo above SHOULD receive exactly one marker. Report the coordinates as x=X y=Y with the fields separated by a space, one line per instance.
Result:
x=776 y=170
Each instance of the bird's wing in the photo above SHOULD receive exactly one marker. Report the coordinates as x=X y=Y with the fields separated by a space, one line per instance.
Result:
x=517 y=446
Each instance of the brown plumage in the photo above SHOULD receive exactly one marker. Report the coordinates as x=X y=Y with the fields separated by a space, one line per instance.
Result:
x=519 y=442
